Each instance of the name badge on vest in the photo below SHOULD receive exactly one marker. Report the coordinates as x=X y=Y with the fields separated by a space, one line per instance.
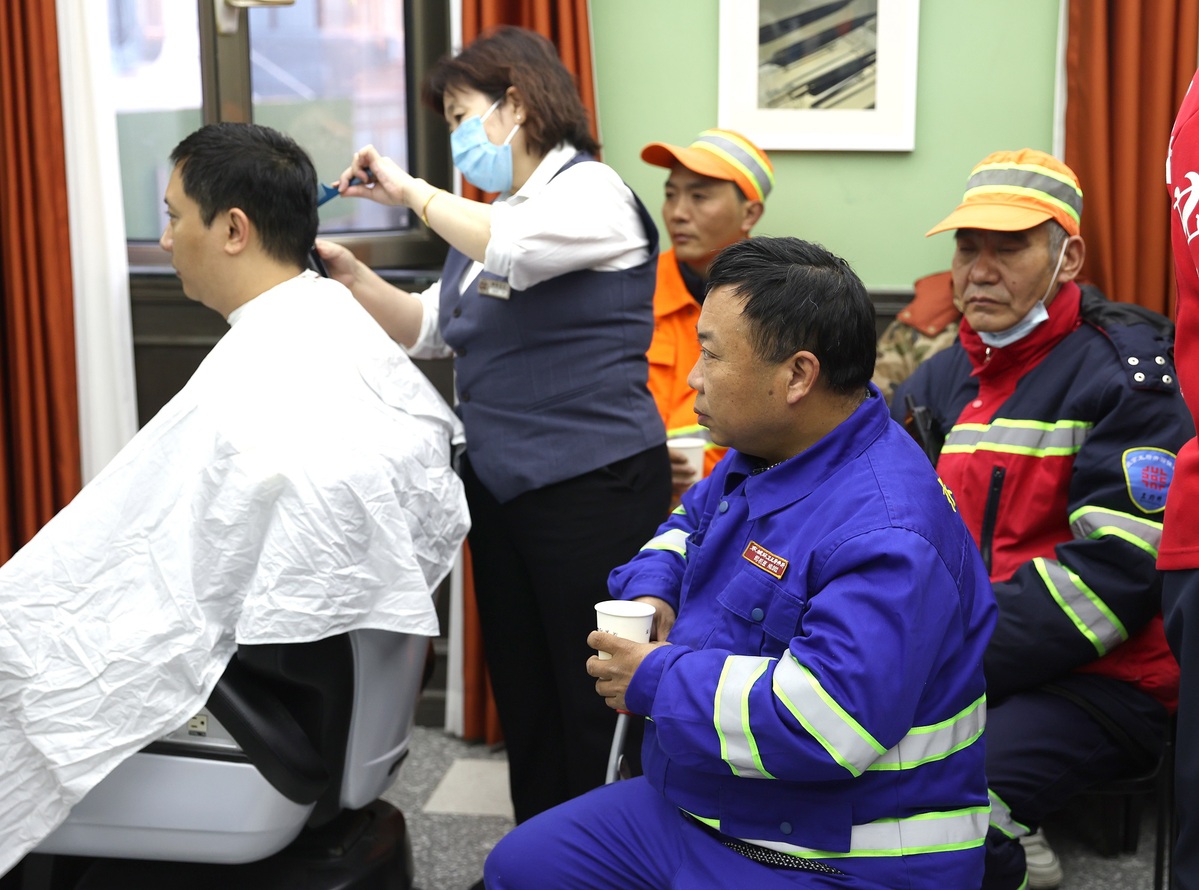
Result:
x=771 y=563
x=494 y=287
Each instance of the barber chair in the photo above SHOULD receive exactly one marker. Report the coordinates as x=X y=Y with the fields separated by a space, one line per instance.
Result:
x=274 y=784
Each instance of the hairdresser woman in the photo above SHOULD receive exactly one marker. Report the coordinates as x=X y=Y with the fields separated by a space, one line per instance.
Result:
x=545 y=302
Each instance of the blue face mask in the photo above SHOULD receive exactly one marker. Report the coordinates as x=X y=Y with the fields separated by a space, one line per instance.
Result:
x=1036 y=316
x=484 y=164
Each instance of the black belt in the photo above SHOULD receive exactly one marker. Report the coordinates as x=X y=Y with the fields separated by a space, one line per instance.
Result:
x=765 y=855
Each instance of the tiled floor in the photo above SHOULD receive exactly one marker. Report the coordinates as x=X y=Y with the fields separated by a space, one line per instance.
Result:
x=455 y=797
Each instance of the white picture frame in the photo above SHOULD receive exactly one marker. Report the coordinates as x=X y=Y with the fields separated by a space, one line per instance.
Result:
x=820 y=75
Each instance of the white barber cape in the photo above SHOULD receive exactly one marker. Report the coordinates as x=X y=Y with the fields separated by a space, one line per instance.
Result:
x=298 y=486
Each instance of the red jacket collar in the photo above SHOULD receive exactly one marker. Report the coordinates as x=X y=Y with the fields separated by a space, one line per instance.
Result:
x=1064 y=317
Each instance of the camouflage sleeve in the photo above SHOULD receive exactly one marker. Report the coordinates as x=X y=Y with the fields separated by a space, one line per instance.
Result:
x=901 y=349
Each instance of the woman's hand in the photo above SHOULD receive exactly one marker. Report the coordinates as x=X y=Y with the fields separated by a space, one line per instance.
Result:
x=383 y=180
x=398 y=312
x=465 y=224
x=341 y=265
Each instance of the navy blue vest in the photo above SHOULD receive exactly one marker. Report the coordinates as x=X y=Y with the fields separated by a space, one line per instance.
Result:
x=552 y=381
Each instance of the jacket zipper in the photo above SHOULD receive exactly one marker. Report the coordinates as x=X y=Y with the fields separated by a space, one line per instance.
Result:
x=989 y=514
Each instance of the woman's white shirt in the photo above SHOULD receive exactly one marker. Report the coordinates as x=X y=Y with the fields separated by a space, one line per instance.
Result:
x=583 y=218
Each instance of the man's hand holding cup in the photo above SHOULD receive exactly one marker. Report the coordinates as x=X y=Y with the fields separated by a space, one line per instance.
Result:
x=622 y=638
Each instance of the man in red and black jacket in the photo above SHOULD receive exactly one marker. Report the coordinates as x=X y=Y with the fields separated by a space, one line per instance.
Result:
x=1061 y=419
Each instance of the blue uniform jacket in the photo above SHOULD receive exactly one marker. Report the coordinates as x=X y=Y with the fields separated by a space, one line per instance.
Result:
x=823 y=693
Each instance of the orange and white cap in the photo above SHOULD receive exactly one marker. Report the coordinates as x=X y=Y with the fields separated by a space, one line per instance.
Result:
x=1010 y=191
x=720 y=154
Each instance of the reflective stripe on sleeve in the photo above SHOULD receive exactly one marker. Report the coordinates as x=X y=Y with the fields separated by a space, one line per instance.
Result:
x=1097 y=522
x=837 y=732
x=924 y=744
x=1029 y=437
x=936 y=832
x=673 y=539
x=834 y=729
x=1001 y=817
x=1090 y=614
x=738 y=748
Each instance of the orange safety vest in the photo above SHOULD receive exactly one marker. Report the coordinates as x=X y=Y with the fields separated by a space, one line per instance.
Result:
x=672 y=355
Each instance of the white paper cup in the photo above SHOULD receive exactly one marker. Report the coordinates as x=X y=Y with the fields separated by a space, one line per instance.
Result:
x=625 y=619
x=694 y=449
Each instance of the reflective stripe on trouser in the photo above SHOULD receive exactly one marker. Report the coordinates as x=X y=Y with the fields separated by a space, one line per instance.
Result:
x=1029 y=437
x=1096 y=522
x=1090 y=614
x=936 y=832
x=846 y=742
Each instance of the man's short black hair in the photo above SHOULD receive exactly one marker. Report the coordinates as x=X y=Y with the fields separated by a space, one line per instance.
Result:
x=798 y=296
x=259 y=170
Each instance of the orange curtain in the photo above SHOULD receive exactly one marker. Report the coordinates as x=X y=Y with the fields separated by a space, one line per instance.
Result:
x=566 y=24
x=39 y=417
x=1128 y=64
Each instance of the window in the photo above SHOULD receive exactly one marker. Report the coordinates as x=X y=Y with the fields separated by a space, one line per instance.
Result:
x=333 y=74
x=158 y=98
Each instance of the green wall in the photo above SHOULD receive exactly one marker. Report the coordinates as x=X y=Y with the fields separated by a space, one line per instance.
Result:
x=985 y=81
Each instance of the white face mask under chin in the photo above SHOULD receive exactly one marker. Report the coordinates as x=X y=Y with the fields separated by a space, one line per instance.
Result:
x=1035 y=317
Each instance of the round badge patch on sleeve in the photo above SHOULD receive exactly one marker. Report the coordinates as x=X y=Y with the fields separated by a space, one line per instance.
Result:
x=1148 y=473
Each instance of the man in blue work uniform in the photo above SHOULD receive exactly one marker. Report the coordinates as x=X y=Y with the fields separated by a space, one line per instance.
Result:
x=815 y=714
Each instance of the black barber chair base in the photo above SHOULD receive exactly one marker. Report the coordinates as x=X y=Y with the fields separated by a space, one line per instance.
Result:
x=367 y=849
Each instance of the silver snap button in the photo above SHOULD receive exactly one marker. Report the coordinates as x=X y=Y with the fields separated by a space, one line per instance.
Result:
x=1166 y=378
x=1160 y=360
x=1138 y=377
x=1133 y=360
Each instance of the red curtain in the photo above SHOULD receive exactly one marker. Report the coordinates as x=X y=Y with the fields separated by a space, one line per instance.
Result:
x=566 y=24
x=481 y=720
x=1128 y=64
x=39 y=417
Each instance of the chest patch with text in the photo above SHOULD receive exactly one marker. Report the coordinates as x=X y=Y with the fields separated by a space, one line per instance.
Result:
x=768 y=562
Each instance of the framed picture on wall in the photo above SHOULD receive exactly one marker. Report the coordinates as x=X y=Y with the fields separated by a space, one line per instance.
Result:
x=825 y=75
